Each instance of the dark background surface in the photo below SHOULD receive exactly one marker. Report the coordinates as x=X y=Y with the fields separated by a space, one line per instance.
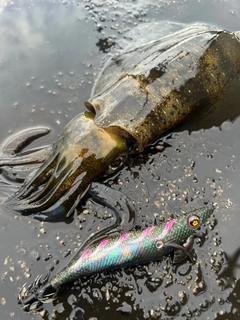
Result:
x=50 y=55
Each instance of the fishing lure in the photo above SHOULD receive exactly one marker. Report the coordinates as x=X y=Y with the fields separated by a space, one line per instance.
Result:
x=141 y=92
x=129 y=249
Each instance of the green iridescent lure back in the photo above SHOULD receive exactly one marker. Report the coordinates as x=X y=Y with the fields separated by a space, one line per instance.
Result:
x=132 y=248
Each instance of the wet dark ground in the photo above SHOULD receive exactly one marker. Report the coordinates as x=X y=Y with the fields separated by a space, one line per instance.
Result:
x=50 y=55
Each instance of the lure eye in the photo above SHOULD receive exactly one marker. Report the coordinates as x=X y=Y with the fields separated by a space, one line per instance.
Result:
x=193 y=222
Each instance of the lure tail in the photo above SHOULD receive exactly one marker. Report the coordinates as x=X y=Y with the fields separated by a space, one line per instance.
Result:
x=33 y=297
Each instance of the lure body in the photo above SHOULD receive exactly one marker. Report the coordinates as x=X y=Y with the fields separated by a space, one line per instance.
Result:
x=129 y=249
x=141 y=93
x=132 y=248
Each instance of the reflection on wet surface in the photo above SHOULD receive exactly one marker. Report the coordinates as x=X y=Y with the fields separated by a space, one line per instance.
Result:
x=49 y=60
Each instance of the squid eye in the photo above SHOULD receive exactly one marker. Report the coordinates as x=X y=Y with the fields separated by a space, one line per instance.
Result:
x=193 y=222
x=116 y=165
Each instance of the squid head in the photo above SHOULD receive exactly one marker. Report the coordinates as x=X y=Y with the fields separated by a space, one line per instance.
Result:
x=82 y=153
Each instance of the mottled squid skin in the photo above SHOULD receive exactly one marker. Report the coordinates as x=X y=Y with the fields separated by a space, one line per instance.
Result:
x=140 y=94
x=129 y=249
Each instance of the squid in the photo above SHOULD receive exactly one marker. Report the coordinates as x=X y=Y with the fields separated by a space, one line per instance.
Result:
x=142 y=92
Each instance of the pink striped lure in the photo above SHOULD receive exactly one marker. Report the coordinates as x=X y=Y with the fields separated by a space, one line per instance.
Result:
x=129 y=249
x=132 y=248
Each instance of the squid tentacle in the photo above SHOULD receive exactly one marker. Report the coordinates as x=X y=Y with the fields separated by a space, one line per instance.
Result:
x=12 y=155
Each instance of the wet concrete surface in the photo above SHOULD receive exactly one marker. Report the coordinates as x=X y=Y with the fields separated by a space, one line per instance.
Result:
x=51 y=54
